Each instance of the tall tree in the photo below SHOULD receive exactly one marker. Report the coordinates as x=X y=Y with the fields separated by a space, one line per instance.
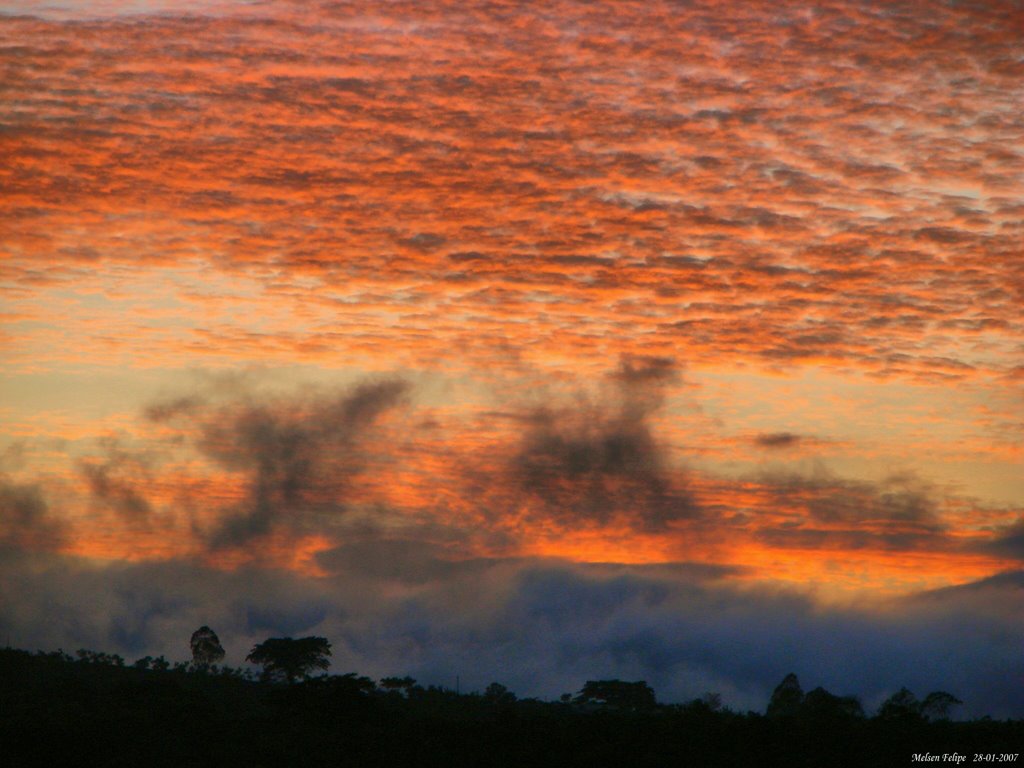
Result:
x=902 y=705
x=819 y=704
x=496 y=693
x=290 y=659
x=206 y=647
x=786 y=698
x=936 y=705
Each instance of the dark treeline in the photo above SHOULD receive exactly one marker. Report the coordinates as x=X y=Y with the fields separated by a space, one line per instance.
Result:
x=97 y=709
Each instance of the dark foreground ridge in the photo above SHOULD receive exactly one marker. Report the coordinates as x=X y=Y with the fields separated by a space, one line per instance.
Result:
x=95 y=710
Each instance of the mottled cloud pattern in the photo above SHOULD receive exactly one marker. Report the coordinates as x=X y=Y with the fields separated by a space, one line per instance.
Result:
x=674 y=341
x=778 y=183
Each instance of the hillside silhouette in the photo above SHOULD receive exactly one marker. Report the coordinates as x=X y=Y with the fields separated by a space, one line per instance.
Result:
x=96 y=709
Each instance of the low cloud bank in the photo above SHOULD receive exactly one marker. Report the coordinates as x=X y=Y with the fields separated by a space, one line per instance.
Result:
x=541 y=627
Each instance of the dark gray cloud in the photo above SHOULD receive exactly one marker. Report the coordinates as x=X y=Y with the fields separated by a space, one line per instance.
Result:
x=846 y=539
x=541 y=627
x=25 y=518
x=409 y=561
x=897 y=513
x=593 y=461
x=118 y=481
x=298 y=454
x=777 y=440
x=899 y=498
x=166 y=410
x=997 y=585
x=636 y=370
x=893 y=501
x=1008 y=542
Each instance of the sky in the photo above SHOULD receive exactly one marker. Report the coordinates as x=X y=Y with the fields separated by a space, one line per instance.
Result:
x=532 y=343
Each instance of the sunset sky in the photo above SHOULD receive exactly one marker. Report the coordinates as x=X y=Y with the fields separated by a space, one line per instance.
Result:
x=531 y=342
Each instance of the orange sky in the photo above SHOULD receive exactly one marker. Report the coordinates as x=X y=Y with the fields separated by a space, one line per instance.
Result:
x=730 y=284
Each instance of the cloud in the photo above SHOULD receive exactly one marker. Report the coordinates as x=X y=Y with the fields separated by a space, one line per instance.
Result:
x=996 y=585
x=825 y=512
x=1008 y=542
x=25 y=518
x=661 y=209
x=542 y=627
x=898 y=498
x=588 y=468
x=407 y=561
x=298 y=456
x=639 y=371
x=117 y=481
x=777 y=440
x=593 y=462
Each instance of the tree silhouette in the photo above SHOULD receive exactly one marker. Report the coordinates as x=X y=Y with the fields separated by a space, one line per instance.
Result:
x=786 y=698
x=936 y=705
x=617 y=694
x=712 y=700
x=819 y=704
x=496 y=693
x=284 y=657
x=400 y=684
x=206 y=647
x=902 y=705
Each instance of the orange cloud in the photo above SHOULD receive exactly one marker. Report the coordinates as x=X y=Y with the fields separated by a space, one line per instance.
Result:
x=480 y=193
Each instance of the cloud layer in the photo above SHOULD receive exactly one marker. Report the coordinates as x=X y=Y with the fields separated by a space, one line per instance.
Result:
x=592 y=472
x=540 y=627
x=777 y=184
